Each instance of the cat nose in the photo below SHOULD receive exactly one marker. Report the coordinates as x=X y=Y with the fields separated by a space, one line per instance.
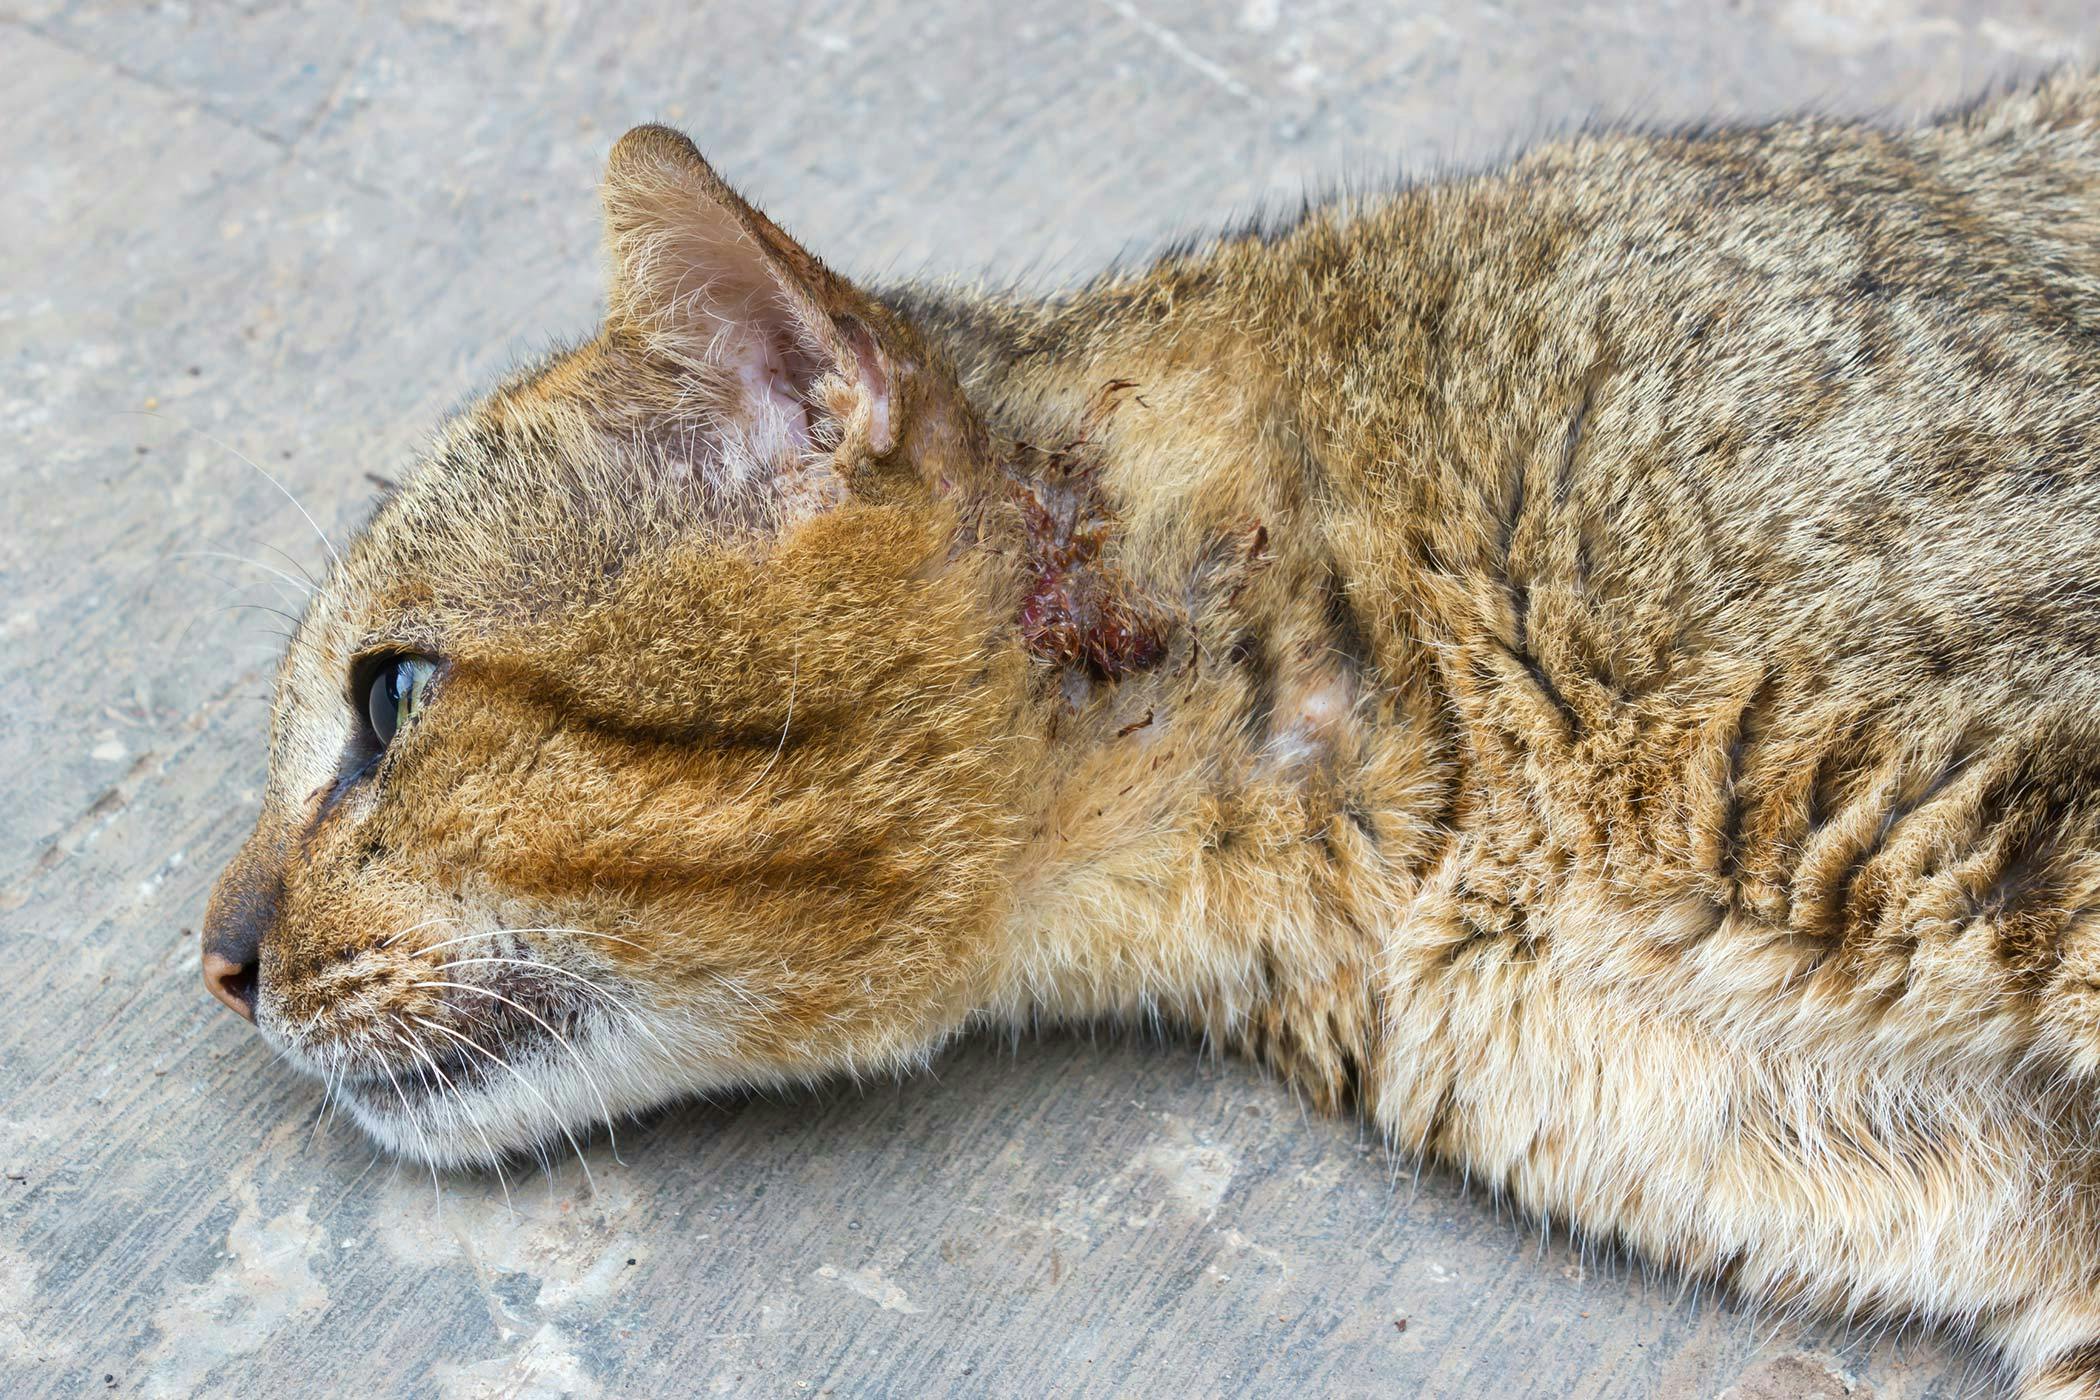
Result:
x=243 y=908
x=231 y=982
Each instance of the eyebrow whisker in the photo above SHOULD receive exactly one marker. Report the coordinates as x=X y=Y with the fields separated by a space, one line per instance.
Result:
x=282 y=489
x=304 y=587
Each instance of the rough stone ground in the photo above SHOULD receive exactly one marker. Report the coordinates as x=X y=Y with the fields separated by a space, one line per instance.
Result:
x=298 y=232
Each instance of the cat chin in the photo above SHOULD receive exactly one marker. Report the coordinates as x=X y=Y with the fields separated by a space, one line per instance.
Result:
x=485 y=1113
x=396 y=1134
x=479 y=1127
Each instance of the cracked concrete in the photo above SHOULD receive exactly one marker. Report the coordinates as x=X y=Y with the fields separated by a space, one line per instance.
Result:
x=277 y=241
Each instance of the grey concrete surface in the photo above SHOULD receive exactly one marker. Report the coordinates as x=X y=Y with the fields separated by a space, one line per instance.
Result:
x=297 y=233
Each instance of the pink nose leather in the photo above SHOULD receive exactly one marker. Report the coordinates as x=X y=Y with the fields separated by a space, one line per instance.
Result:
x=231 y=982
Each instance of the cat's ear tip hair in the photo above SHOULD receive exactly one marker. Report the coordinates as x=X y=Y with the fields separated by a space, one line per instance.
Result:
x=653 y=149
x=652 y=139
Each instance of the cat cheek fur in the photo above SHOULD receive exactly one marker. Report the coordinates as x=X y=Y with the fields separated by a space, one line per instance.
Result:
x=714 y=775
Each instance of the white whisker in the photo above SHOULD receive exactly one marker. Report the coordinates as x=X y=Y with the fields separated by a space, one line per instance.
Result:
x=282 y=489
x=264 y=607
x=304 y=588
x=366 y=1172
x=610 y=1002
x=416 y=1047
x=408 y=1111
x=313 y=584
x=490 y=933
x=578 y=932
x=416 y=1050
x=559 y=1039
x=449 y=942
x=321 y=1113
x=530 y=1088
x=400 y=933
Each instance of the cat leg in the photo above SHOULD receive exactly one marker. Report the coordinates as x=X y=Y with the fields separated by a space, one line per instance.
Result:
x=1822 y=1184
x=2052 y=1348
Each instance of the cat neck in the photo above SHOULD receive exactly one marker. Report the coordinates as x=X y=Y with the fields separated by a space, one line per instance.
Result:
x=1226 y=807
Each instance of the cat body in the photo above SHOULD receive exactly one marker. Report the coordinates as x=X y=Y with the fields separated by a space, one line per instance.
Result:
x=1591 y=666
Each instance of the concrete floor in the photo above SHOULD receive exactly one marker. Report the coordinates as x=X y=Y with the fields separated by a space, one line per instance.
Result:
x=298 y=233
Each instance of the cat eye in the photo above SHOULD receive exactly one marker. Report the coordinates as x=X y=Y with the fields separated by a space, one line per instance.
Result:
x=395 y=695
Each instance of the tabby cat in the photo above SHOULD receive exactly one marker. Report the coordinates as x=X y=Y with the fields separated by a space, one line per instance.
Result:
x=1595 y=667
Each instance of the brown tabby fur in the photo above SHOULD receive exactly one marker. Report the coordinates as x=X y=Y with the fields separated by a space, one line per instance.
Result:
x=1595 y=666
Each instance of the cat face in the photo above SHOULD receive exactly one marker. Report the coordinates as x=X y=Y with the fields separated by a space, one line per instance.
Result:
x=657 y=735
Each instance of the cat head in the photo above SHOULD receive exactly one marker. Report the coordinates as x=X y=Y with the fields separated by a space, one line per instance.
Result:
x=659 y=733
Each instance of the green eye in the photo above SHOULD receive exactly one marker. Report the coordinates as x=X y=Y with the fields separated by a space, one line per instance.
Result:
x=396 y=695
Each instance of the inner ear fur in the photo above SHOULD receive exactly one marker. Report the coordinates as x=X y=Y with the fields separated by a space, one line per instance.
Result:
x=779 y=373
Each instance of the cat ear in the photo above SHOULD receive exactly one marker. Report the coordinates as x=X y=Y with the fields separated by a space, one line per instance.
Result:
x=781 y=372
